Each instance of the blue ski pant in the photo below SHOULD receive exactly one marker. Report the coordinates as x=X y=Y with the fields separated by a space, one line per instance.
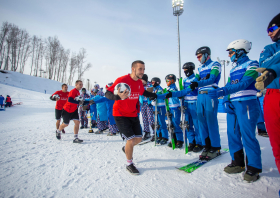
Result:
x=161 y=120
x=193 y=133
x=261 y=124
x=175 y=120
x=207 y=111
x=241 y=128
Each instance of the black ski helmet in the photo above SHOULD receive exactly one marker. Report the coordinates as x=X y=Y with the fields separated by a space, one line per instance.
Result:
x=84 y=89
x=203 y=50
x=170 y=77
x=157 y=80
x=189 y=65
x=145 y=77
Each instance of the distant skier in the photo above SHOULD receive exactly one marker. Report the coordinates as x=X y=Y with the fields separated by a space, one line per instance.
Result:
x=83 y=113
x=8 y=101
x=243 y=109
x=125 y=110
x=162 y=132
x=270 y=79
x=2 y=101
x=174 y=106
x=146 y=109
x=70 y=111
x=61 y=98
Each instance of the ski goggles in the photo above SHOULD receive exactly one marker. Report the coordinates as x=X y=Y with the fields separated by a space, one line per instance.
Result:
x=230 y=52
x=199 y=56
x=272 y=29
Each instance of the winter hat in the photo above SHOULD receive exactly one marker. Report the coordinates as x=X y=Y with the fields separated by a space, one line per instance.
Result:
x=145 y=77
x=274 y=21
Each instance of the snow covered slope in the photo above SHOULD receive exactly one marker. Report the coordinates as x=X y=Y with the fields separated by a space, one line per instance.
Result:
x=28 y=82
x=34 y=163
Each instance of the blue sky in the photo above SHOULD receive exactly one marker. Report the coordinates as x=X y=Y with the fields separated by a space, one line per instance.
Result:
x=115 y=33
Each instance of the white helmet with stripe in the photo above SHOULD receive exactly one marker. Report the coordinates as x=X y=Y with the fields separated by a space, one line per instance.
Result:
x=240 y=44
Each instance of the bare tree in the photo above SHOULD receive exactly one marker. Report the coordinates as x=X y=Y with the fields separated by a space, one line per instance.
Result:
x=3 y=34
x=26 y=50
x=33 y=44
x=73 y=67
x=52 y=51
x=80 y=63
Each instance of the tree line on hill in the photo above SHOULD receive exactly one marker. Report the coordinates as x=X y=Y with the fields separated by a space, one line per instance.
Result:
x=45 y=57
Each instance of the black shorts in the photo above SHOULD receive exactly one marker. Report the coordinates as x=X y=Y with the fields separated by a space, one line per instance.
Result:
x=58 y=114
x=69 y=116
x=129 y=127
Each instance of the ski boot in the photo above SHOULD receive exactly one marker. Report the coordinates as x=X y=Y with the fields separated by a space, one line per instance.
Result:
x=251 y=176
x=197 y=148
x=191 y=147
x=262 y=133
x=132 y=169
x=204 y=153
x=77 y=140
x=179 y=144
x=146 y=136
x=169 y=144
x=153 y=138
x=163 y=141
x=158 y=140
x=212 y=154
x=232 y=169
x=99 y=132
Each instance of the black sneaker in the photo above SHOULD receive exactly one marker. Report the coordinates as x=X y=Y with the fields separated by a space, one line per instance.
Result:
x=82 y=127
x=197 y=148
x=132 y=169
x=179 y=144
x=146 y=136
x=63 y=131
x=77 y=140
x=251 y=176
x=191 y=147
x=58 y=135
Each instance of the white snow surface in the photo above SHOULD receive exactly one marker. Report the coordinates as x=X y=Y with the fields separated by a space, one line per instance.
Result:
x=34 y=163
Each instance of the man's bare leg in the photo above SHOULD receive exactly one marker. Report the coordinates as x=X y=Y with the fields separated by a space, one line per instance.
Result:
x=57 y=124
x=129 y=147
x=62 y=126
x=76 y=127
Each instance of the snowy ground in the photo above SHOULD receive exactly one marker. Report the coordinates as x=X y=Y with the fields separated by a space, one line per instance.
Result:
x=34 y=163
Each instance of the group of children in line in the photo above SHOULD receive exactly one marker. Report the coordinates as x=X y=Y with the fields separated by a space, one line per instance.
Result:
x=8 y=101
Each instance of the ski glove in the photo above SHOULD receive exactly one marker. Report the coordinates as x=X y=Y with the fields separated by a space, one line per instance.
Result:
x=91 y=115
x=216 y=93
x=193 y=85
x=268 y=75
x=161 y=96
x=169 y=94
x=227 y=106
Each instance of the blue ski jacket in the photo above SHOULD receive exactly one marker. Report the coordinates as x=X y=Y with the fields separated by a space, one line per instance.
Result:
x=270 y=58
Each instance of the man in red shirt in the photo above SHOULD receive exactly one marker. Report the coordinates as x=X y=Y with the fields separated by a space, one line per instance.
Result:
x=70 y=111
x=125 y=109
x=61 y=98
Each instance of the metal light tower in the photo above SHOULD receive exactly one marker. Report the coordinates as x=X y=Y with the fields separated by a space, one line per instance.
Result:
x=177 y=11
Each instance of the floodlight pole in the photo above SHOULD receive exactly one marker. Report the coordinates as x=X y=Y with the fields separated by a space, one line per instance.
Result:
x=177 y=11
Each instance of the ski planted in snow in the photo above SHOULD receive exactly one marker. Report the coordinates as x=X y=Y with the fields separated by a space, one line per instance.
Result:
x=189 y=168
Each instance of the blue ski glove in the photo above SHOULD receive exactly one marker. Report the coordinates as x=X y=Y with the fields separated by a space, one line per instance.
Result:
x=216 y=93
x=227 y=106
x=161 y=96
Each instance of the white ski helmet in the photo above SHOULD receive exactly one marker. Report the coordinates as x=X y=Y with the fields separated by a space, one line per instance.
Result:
x=240 y=44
